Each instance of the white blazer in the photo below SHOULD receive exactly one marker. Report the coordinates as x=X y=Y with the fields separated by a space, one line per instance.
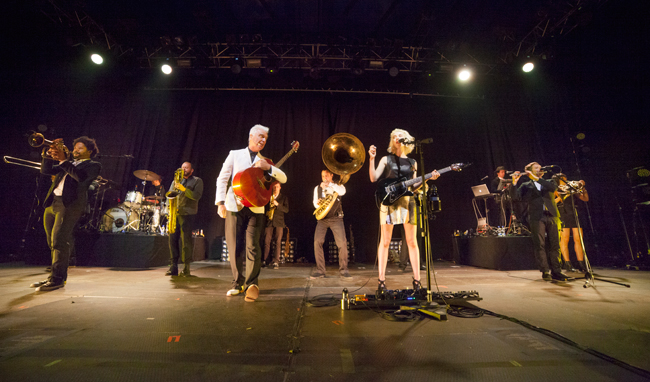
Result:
x=238 y=161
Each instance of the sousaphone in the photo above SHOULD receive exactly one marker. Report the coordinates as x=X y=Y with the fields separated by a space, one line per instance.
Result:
x=343 y=154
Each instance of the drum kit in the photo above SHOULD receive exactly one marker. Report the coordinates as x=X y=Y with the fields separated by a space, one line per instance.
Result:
x=138 y=213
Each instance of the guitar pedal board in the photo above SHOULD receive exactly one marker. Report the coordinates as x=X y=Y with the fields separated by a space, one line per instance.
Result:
x=393 y=299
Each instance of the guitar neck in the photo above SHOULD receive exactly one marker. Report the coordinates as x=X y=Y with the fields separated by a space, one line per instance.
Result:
x=284 y=158
x=411 y=182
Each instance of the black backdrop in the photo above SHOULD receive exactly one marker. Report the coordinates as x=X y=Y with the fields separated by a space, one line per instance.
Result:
x=594 y=88
x=512 y=125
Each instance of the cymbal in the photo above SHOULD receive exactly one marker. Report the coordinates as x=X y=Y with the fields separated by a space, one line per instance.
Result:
x=146 y=175
x=154 y=197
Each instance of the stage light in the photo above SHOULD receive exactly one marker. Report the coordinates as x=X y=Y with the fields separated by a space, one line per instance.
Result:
x=528 y=67
x=464 y=75
x=393 y=71
x=166 y=69
x=580 y=136
x=96 y=58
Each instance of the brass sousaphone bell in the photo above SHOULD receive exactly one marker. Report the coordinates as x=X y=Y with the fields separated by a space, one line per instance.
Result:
x=343 y=154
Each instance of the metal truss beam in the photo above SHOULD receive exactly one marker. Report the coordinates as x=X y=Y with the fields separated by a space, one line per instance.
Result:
x=311 y=56
x=95 y=35
x=559 y=19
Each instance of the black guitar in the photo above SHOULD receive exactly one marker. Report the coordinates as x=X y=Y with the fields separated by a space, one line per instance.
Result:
x=389 y=190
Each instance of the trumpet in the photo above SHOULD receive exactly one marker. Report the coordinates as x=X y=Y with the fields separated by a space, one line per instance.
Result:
x=37 y=140
x=571 y=187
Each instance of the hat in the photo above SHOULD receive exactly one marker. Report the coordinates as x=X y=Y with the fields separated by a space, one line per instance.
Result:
x=499 y=169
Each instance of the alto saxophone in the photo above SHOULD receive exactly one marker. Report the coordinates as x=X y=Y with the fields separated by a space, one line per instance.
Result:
x=172 y=196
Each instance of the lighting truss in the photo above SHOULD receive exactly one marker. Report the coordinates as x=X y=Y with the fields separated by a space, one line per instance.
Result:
x=316 y=55
x=560 y=18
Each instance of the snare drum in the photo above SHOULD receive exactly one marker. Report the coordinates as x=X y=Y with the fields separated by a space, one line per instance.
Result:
x=133 y=199
x=115 y=219
x=164 y=210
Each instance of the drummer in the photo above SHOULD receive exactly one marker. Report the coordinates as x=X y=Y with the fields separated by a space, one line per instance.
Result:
x=158 y=188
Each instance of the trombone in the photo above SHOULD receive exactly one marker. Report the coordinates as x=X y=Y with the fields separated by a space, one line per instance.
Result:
x=22 y=162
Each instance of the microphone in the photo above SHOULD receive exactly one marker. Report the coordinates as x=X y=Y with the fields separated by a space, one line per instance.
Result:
x=483 y=178
x=405 y=141
x=427 y=140
x=548 y=168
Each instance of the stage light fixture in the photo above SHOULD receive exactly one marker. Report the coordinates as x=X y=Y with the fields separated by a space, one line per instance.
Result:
x=528 y=67
x=464 y=74
x=235 y=68
x=393 y=71
x=166 y=68
x=580 y=136
x=96 y=58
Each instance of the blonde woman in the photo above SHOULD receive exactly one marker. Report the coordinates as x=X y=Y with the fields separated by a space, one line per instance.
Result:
x=397 y=165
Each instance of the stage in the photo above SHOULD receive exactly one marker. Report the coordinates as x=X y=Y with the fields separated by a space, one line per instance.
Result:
x=112 y=324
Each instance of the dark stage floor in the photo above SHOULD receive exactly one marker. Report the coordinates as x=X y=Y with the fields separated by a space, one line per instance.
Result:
x=138 y=325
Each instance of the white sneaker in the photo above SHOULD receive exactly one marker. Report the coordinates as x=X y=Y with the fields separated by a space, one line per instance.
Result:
x=276 y=266
x=234 y=291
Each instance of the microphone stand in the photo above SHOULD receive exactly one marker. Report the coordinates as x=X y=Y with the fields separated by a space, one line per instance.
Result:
x=423 y=220
x=589 y=273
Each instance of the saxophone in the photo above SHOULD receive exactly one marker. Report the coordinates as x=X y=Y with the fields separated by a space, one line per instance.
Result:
x=325 y=205
x=172 y=196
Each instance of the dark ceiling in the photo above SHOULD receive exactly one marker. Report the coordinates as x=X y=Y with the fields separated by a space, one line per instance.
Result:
x=417 y=36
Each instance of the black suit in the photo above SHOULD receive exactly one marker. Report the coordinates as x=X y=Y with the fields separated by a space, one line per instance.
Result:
x=544 y=222
x=62 y=212
x=275 y=227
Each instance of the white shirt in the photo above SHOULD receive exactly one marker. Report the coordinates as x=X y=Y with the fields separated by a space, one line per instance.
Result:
x=58 y=191
x=330 y=189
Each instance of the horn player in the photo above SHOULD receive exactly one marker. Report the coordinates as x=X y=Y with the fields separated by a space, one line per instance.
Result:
x=333 y=221
x=65 y=202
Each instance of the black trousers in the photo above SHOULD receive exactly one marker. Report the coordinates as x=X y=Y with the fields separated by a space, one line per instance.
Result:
x=243 y=231
x=180 y=242
x=274 y=233
x=546 y=243
x=59 y=223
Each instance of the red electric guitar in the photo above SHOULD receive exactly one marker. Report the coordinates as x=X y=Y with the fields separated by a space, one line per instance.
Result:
x=252 y=187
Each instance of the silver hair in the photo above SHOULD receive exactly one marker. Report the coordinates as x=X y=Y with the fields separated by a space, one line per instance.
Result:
x=258 y=127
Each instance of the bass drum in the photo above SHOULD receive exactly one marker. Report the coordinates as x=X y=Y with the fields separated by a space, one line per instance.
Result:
x=115 y=219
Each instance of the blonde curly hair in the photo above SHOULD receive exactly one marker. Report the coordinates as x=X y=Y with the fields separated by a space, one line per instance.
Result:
x=406 y=149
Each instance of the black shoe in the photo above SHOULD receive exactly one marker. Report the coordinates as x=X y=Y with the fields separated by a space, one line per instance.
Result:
x=48 y=269
x=317 y=275
x=263 y=264
x=50 y=285
x=561 y=277
x=423 y=267
x=582 y=267
x=416 y=285
x=185 y=273
x=568 y=267
x=381 y=287
x=546 y=276
x=173 y=271
x=38 y=283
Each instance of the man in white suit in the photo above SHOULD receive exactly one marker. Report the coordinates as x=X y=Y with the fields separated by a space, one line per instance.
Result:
x=244 y=224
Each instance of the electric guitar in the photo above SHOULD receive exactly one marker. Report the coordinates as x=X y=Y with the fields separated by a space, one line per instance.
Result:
x=389 y=190
x=252 y=187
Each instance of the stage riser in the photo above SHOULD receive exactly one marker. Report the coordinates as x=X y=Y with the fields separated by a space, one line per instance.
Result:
x=121 y=250
x=501 y=253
